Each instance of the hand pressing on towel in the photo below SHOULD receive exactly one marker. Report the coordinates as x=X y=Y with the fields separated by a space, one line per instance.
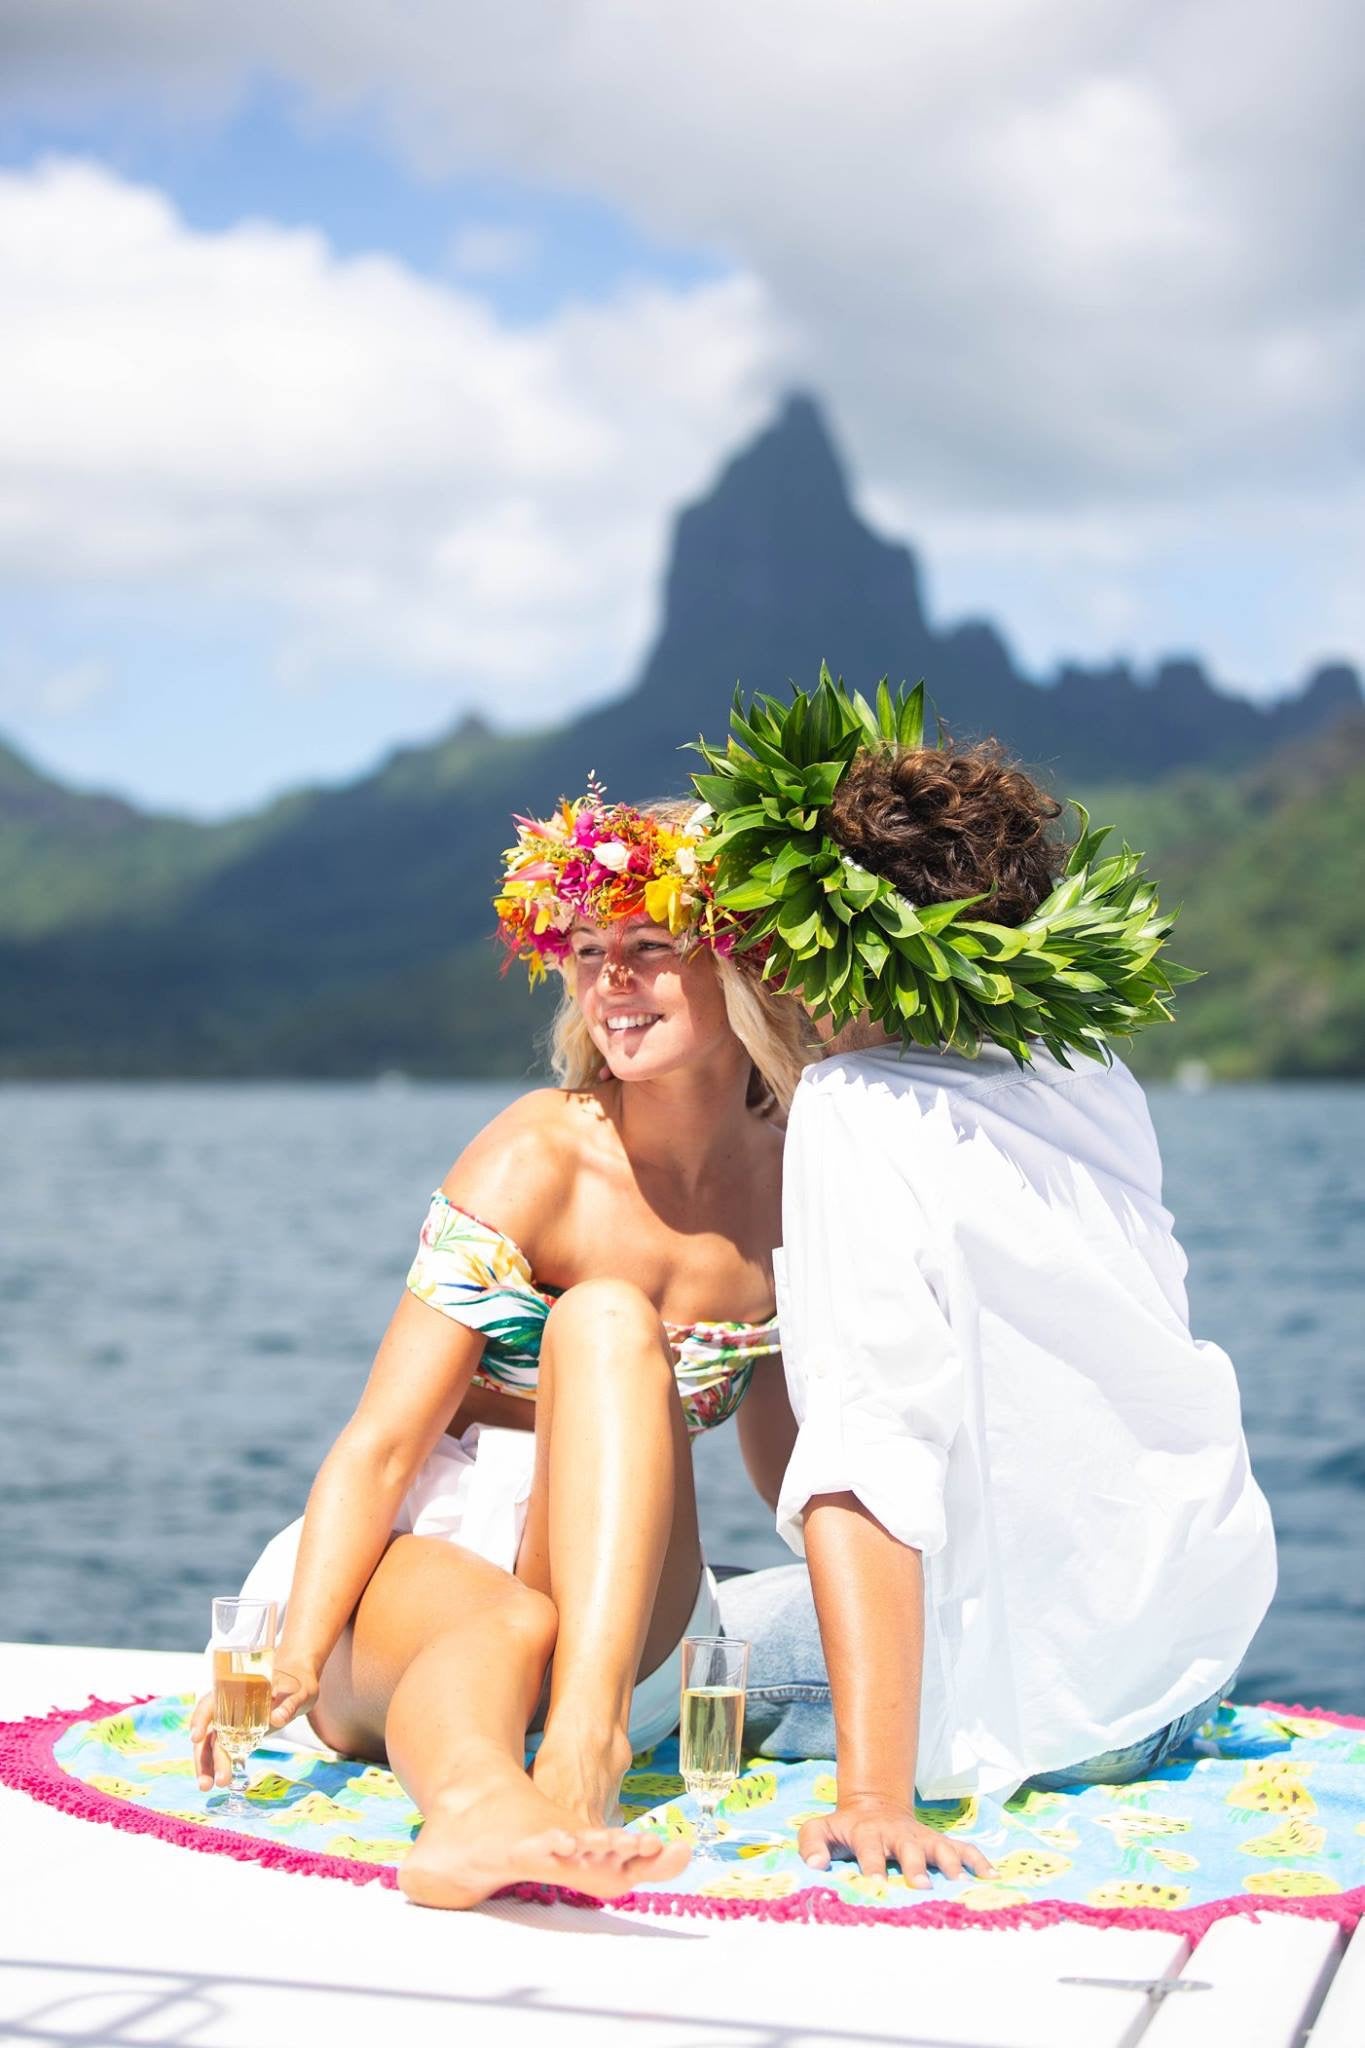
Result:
x=877 y=1832
x=294 y=1689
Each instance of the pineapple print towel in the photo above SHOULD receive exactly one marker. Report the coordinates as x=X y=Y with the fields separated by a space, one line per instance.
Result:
x=1266 y=1810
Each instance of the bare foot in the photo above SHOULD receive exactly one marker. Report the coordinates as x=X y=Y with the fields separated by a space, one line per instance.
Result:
x=513 y=1835
x=582 y=1775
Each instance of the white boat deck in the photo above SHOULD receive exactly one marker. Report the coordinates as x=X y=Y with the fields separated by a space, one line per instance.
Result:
x=116 y=1938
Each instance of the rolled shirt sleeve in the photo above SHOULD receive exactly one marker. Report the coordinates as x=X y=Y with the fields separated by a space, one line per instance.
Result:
x=873 y=1373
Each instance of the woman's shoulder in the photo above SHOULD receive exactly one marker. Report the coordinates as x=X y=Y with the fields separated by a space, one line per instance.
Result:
x=519 y=1168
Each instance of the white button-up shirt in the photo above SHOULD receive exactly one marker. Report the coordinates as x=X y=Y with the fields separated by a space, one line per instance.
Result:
x=987 y=1341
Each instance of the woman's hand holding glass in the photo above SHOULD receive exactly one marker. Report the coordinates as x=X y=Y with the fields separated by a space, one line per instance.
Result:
x=293 y=1690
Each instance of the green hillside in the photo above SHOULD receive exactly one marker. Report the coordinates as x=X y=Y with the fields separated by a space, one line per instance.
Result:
x=65 y=856
x=1270 y=869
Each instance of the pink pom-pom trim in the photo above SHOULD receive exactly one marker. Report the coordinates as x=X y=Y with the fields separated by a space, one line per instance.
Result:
x=28 y=1765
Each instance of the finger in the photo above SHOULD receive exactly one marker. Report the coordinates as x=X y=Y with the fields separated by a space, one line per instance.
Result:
x=869 y=1846
x=813 y=1843
x=911 y=1859
x=944 y=1853
x=977 y=1862
x=202 y=1718
x=204 y=1761
x=292 y=1695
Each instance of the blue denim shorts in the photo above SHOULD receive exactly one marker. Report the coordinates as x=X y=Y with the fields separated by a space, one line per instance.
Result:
x=788 y=1712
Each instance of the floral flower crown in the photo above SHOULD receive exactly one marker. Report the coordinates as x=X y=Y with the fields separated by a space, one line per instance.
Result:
x=602 y=861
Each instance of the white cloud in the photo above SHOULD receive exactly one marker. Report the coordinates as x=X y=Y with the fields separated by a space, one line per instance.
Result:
x=1063 y=270
x=54 y=695
x=491 y=249
x=404 y=481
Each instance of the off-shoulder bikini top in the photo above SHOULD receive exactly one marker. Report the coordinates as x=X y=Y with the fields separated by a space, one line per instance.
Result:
x=479 y=1277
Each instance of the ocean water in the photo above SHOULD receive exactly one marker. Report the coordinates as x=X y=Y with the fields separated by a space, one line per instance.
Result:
x=193 y=1280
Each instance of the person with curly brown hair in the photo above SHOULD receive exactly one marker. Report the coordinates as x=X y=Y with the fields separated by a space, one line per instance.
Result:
x=1036 y=1550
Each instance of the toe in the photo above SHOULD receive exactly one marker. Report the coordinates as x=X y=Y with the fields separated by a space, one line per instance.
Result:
x=558 y=1842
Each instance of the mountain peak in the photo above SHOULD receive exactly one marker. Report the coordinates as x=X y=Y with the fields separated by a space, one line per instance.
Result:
x=773 y=564
x=797 y=444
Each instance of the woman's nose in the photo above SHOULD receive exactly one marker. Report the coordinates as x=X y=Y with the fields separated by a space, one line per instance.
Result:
x=617 y=971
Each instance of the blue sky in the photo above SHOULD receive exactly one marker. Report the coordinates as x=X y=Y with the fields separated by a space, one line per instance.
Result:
x=271 y=158
x=357 y=361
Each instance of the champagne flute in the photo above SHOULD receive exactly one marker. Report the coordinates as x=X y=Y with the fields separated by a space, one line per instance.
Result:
x=243 y=1646
x=711 y=1724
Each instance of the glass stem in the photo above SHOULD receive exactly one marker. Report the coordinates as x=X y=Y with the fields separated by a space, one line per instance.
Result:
x=238 y=1786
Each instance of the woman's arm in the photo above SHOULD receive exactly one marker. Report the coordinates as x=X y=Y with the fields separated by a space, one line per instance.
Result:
x=420 y=1373
x=767 y=1429
x=512 y=1174
x=513 y=1171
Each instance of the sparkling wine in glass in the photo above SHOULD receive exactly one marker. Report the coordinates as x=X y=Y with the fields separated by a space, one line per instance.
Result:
x=243 y=1646
x=711 y=1724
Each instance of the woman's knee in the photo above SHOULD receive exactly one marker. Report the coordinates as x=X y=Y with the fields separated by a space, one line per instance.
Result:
x=533 y=1617
x=424 y=1587
x=604 y=1318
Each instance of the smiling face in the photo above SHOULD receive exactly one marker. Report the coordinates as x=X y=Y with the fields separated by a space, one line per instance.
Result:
x=649 y=1005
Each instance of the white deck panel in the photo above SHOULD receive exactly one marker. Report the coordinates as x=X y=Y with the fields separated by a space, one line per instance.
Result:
x=109 y=1937
x=1341 y=2022
x=1266 y=1978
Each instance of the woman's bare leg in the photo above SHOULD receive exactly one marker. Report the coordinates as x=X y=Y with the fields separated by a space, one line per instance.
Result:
x=441 y=1670
x=612 y=1530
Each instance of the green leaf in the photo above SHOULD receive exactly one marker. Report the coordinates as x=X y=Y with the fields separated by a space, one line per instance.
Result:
x=748 y=895
x=936 y=917
x=861 y=887
x=803 y=938
x=873 y=949
x=821 y=780
x=894 y=915
x=910 y=722
x=716 y=790
x=928 y=954
x=794 y=857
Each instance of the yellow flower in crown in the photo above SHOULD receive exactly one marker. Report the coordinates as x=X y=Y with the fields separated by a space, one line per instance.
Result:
x=603 y=862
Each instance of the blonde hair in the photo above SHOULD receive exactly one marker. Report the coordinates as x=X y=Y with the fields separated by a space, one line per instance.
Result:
x=773 y=1029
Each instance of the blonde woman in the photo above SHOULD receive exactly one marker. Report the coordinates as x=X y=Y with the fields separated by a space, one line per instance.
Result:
x=504 y=1536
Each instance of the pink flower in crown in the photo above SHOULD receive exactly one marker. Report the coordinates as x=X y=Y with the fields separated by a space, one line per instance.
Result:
x=588 y=828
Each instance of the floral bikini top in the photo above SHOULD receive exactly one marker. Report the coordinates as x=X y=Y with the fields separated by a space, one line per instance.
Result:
x=478 y=1277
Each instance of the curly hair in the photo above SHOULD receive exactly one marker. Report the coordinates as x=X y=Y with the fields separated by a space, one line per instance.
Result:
x=944 y=822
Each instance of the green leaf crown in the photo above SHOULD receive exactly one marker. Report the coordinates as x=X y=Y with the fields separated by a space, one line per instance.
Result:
x=1083 y=970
